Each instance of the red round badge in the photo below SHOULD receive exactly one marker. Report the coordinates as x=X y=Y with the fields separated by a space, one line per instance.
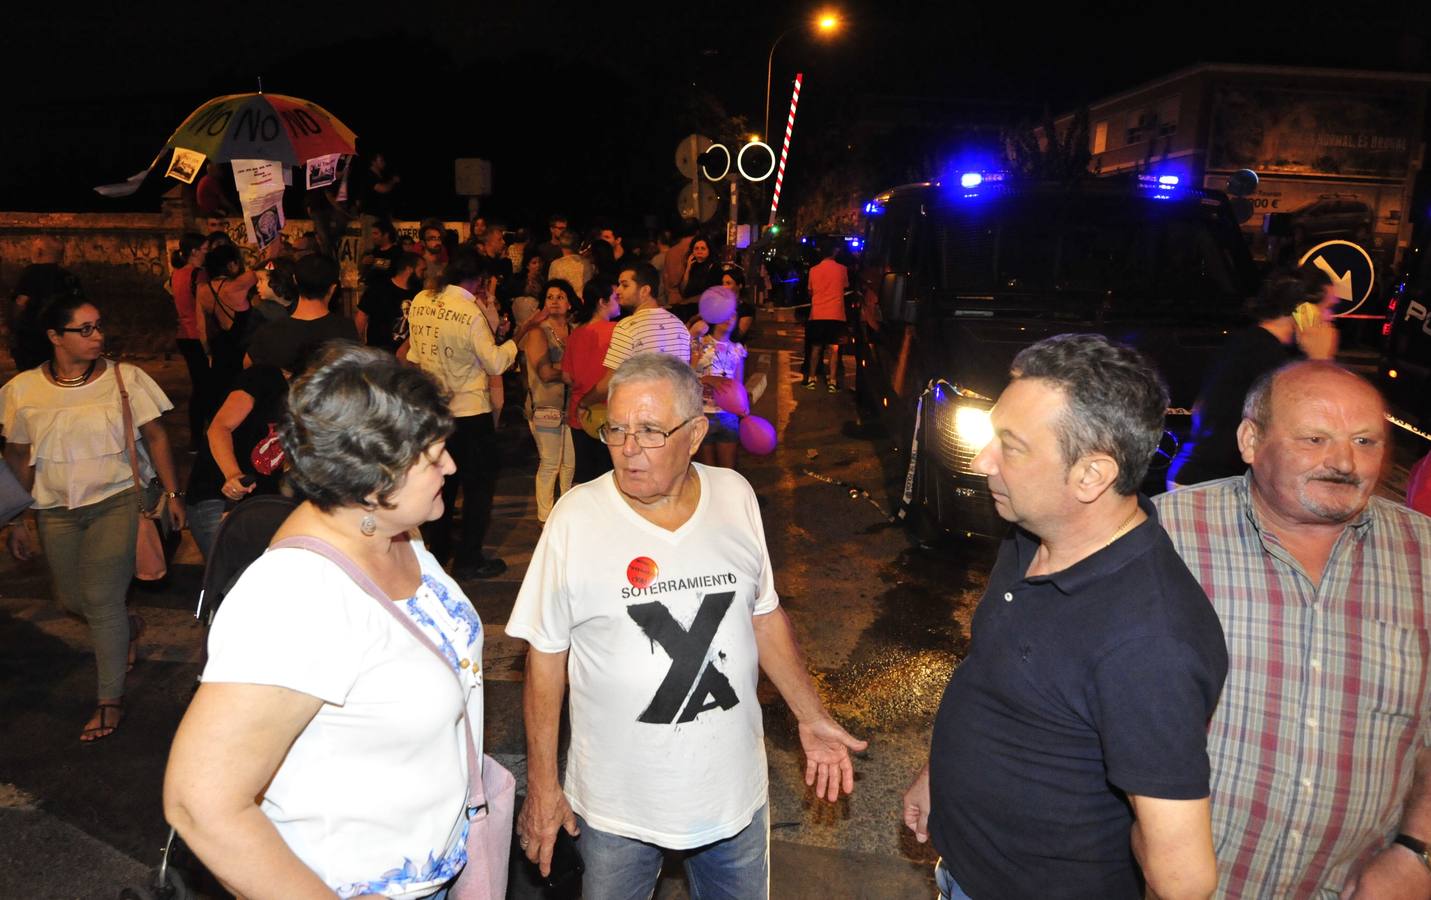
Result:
x=642 y=571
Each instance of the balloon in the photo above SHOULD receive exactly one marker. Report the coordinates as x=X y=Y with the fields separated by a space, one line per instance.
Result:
x=592 y=418
x=757 y=436
x=717 y=305
x=729 y=394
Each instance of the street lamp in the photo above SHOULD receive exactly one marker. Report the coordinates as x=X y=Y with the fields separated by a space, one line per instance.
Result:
x=827 y=22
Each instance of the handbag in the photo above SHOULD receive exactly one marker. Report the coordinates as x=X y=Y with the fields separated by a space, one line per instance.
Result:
x=14 y=499
x=151 y=562
x=491 y=799
x=548 y=418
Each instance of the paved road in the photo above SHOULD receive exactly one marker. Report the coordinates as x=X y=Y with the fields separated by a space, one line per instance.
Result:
x=882 y=624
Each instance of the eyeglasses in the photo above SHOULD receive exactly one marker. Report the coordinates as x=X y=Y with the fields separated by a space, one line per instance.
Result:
x=650 y=438
x=86 y=330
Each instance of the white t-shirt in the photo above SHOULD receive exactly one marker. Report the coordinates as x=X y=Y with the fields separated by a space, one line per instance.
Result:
x=667 y=744
x=371 y=794
x=76 y=434
x=451 y=339
x=647 y=330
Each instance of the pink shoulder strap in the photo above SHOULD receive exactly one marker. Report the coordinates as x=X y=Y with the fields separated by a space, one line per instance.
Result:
x=370 y=587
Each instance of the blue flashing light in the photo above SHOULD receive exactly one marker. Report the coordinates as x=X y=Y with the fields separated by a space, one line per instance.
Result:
x=971 y=180
x=1161 y=187
x=874 y=208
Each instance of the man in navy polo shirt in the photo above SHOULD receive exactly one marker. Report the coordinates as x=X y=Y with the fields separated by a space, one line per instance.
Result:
x=1069 y=756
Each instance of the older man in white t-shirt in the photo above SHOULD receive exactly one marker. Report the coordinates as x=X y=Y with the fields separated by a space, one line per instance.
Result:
x=651 y=592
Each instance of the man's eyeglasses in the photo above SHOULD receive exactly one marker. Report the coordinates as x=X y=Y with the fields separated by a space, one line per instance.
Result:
x=86 y=330
x=650 y=438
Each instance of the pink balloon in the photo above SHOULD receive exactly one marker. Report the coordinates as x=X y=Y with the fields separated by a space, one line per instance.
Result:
x=729 y=395
x=757 y=436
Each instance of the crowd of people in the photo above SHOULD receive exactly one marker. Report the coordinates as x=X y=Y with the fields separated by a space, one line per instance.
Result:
x=1223 y=689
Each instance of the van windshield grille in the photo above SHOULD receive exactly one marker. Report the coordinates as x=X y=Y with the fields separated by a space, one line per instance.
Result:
x=1140 y=259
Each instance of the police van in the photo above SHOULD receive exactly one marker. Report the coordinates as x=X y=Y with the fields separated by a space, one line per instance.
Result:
x=1406 y=353
x=960 y=275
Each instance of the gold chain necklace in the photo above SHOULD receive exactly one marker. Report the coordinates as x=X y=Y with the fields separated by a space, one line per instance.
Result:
x=1122 y=529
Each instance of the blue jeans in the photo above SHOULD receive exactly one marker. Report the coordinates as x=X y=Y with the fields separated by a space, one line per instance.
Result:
x=204 y=520
x=620 y=868
x=949 y=889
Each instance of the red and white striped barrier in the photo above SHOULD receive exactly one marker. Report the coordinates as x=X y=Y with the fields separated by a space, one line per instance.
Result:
x=785 y=148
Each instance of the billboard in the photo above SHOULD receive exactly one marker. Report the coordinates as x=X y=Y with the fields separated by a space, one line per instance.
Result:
x=1277 y=131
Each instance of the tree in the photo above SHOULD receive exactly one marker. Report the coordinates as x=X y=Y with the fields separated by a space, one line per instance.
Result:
x=1044 y=153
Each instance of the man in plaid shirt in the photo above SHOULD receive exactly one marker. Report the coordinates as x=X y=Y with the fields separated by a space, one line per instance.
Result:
x=1321 y=772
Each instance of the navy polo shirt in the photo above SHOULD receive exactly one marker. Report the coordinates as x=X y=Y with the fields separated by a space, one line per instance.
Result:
x=1079 y=688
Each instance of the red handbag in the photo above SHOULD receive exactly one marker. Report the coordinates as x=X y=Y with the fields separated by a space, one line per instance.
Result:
x=150 y=561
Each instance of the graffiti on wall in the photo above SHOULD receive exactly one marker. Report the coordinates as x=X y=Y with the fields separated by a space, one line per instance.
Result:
x=146 y=259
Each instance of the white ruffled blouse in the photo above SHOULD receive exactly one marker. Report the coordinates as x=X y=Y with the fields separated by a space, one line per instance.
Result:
x=76 y=434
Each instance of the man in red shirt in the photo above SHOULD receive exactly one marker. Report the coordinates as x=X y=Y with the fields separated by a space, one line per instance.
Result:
x=1418 y=489
x=826 y=327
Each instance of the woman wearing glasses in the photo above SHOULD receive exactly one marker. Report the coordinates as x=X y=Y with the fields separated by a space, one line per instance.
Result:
x=326 y=750
x=65 y=441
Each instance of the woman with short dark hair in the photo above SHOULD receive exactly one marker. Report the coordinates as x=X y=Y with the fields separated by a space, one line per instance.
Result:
x=316 y=700
x=224 y=306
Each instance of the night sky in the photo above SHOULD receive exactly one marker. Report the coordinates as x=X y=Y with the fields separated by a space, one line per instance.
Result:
x=579 y=106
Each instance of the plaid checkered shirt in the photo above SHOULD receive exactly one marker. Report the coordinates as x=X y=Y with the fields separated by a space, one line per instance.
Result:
x=1314 y=742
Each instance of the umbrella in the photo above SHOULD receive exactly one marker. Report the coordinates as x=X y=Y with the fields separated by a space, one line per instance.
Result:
x=261 y=126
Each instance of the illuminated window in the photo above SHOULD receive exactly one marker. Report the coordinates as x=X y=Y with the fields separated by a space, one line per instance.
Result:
x=1099 y=142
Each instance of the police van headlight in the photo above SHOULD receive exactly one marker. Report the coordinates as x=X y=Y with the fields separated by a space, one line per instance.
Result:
x=972 y=427
x=960 y=426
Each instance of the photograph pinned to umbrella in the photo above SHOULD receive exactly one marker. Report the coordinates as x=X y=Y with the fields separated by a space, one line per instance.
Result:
x=323 y=170
x=185 y=165
x=265 y=227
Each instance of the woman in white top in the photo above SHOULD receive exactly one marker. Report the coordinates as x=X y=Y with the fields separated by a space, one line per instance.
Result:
x=325 y=751
x=64 y=433
x=543 y=347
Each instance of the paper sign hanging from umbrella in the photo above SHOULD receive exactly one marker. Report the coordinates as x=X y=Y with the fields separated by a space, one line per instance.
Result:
x=260 y=190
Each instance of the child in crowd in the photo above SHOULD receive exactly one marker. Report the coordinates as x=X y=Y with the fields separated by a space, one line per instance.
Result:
x=716 y=355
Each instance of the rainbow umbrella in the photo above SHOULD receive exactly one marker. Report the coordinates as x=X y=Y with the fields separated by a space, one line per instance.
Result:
x=261 y=126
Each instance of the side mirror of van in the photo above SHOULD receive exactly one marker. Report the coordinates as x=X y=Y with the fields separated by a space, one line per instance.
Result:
x=894 y=298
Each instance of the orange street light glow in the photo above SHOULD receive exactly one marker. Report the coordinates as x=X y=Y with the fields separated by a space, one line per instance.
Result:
x=828 y=22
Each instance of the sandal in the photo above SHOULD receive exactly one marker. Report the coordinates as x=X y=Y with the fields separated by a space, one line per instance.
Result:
x=136 y=628
x=104 y=729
